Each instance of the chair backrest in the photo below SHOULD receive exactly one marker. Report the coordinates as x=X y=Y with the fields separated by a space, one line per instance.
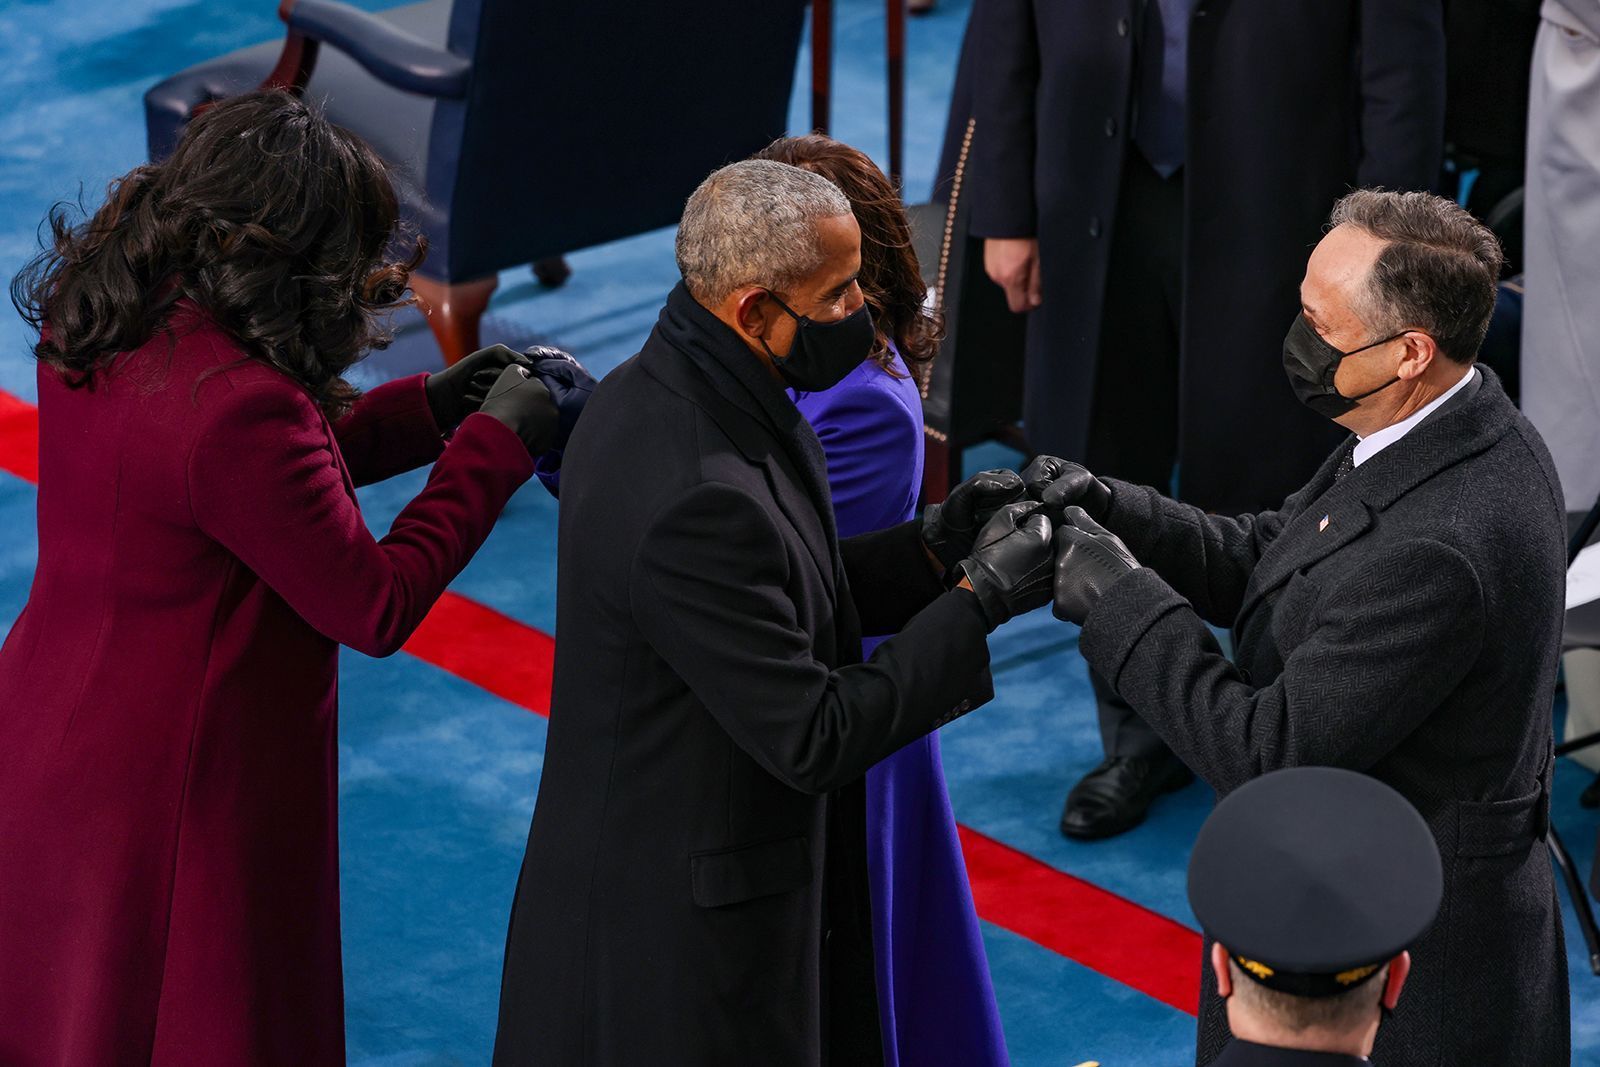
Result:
x=592 y=120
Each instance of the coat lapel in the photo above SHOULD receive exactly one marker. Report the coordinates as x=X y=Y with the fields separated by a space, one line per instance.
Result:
x=1346 y=508
x=756 y=443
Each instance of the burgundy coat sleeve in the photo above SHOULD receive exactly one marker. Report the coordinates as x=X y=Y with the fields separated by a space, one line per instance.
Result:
x=265 y=483
x=389 y=431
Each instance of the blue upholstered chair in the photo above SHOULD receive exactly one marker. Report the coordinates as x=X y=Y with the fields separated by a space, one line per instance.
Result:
x=520 y=130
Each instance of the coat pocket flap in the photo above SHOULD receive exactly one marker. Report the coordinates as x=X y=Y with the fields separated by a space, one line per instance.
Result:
x=731 y=875
x=1503 y=827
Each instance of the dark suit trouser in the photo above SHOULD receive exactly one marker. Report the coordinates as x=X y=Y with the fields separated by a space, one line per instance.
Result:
x=1133 y=433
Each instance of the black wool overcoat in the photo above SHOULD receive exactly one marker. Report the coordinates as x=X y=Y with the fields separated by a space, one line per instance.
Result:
x=694 y=888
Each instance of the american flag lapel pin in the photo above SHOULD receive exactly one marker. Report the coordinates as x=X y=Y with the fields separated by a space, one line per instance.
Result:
x=1323 y=525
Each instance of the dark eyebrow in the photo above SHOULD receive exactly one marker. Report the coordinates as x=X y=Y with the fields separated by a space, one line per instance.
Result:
x=839 y=289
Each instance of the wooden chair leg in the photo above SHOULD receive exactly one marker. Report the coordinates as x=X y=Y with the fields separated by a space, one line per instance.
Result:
x=454 y=310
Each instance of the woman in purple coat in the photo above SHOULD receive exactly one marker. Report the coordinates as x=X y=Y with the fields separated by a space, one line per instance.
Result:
x=934 y=994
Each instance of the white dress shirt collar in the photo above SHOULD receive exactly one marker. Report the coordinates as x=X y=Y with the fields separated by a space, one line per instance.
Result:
x=1378 y=440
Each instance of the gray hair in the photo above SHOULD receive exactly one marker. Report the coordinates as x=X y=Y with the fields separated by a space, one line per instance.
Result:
x=754 y=223
x=1436 y=273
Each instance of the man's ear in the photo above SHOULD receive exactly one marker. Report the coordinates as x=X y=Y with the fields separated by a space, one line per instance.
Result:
x=1219 y=967
x=1420 y=352
x=1399 y=968
x=750 y=312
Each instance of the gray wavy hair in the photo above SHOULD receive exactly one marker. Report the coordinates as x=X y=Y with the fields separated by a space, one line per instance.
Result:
x=754 y=223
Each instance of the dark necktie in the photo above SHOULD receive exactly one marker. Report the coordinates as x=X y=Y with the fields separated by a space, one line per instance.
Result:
x=1163 y=70
x=1346 y=465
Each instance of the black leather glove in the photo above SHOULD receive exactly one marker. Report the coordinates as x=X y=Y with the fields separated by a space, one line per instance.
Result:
x=1010 y=565
x=1059 y=484
x=522 y=402
x=950 y=529
x=1089 y=560
x=569 y=385
x=459 y=390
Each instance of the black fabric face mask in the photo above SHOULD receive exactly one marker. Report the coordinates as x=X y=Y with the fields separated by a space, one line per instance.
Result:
x=1310 y=362
x=823 y=353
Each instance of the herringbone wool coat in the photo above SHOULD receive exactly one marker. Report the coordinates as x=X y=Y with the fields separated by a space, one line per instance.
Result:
x=1405 y=621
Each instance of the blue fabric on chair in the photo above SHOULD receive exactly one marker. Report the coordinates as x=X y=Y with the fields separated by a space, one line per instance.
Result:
x=563 y=107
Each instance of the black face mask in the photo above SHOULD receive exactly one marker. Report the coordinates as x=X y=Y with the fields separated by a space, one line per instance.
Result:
x=1310 y=363
x=823 y=353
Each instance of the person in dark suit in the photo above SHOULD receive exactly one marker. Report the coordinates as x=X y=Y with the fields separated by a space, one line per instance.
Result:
x=695 y=884
x=1149 y=175
x=1314 y=882
x=1400 y=614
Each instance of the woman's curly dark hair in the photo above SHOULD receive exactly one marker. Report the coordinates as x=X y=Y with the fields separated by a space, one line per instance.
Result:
x=278 y=224
x=891 y=278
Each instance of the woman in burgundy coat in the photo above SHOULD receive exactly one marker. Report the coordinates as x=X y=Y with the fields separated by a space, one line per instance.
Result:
x=169 y=882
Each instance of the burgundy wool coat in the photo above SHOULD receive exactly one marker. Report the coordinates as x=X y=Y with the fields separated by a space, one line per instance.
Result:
x=169 y=882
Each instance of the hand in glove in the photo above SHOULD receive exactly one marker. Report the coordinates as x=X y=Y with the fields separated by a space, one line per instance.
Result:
x=1089 y=560
x=522 y=402
x=1059 y=484
x=459 y=390
x=1010 y=565
x=950 y=529
x=569 y=385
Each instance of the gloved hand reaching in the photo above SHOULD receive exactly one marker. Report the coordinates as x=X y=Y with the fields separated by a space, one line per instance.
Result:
x=1009 y=568
x=1059 y=484
x=950 y=529
x=1089 y=560
x=568 y=382
x=459 y=390
x=522 y=403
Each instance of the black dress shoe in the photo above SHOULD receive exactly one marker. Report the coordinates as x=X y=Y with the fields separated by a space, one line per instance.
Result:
x=1115 y=796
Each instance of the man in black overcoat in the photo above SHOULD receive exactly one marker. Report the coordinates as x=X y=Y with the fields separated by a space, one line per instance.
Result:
x=1150 y=175
x=1400 y=615
x=694 y=889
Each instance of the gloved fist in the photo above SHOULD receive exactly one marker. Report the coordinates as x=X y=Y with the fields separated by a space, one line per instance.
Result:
x=522 y=402
x=459 y=390
x=950 y=529
x=1010 y=565
x=1089 y=560
x=1059 y=484
x=569 y=385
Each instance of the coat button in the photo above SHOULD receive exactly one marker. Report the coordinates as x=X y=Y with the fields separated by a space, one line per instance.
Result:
x=1094 y=225
x=1122 y=27
x=1111 y=126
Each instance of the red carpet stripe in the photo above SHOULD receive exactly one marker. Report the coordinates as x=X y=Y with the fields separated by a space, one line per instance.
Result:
x=19 y=437
x=1147 y=951
x=488 y=649
x=1012 y=890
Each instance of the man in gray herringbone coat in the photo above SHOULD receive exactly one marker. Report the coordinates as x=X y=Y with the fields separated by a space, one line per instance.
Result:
x=1400 y=615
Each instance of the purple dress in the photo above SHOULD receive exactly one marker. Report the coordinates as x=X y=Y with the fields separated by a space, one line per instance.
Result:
x=934 y=993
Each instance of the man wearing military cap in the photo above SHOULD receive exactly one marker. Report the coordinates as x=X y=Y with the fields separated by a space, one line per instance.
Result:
x=1313 y=883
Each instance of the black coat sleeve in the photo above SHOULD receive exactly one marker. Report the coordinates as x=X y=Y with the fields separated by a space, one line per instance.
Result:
x=1005 y=92
x=1380 y=653
x=1206 y=558
x=708 y=590
x=890 y=575
x=1402 y=93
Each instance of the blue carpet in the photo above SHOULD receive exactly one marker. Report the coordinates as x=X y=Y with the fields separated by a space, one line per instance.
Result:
x=438 y=777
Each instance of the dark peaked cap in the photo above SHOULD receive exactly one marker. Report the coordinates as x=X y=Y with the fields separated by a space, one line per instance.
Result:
x=1314 y=877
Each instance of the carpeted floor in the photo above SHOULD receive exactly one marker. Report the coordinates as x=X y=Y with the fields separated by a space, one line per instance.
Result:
x=438 y=773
